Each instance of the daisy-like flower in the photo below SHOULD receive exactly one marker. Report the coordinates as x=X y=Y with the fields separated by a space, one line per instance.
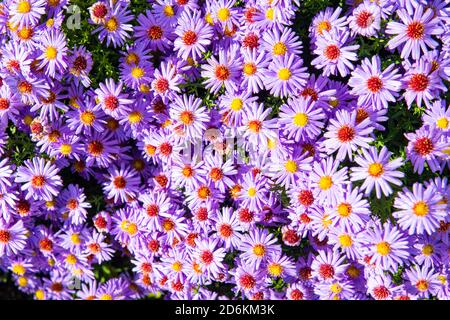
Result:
x=365 y=19
x=256 y=129
x=121 y=184
x=218 y=172
x=301 y=119
x=438 y=116
x=428 y=252
x=190 y=117
x=326 y=21
x=101 y=149
x=228 y=228
x=281 y=41
x=299 y=291
x=386 y=245
x=210 y=256
x=328 y=265
x=373 y=86
x=72 y=203
x=285 y=75
x=421 y=84
x=111 y=99
x=224 y=12
x=256 y=246
x=248 y=278
x=194 y=35
x=253 y=192
x=26 y=12
x=128 y=228
x=424 y=145
x=381 y=287
x=137 y=75
x=328 y=179
x=53 y=47
x=223 y=72
x=97 y=246
x=234 y=105
x=166 y=81
x=414 y=34
x=114 y=24
x=39 y=179
x=377 y=171
x=419 y=211
x=346 y=136
x=423 y=281
x=156 y=32
x=334 y=55
x=99 y=11
x=254 y=69
x=13 y=238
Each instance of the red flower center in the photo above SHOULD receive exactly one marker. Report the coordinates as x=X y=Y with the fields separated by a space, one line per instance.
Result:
x=46 y=244
x=146 y=267
x=326 y=271
x=72 y=204
x=56 y=287
x=206 y=257
x=94 y=248
x=23 y=207
x=222 y=72
x=161 y=85
x=37 y=181
x=251 y=41
x=4 y=104
x=245 y=215
x=361 y=115
x=247 y=281
x=189 y=38
x=5 y=236
x=225 y=230
x=423 y=146
x=119 y=182
x=364 y=19
x=296 y=294
x=79 y=64
x=215 y=174
x=202 y=214
x=153 y=245
x=13 y=65
x=111 y=103
x=374 y=84
x=249 y=13
x=100 y=11
x=415 y=30
x=95 y=148
x=346 y=133
x=100 y=222
x=310 y=92
x=306 y=197
x=155 y=33
x=291 y=237
x=165 y=149
x=36 y=127
x=304 y=218
x=418 y=82
x=380 y=292
x=332 y=52
x=305 y=273
x=162 y=180
x=152 y=210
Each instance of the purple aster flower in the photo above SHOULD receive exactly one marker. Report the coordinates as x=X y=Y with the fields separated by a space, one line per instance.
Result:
x=226 y=14
x=381 y=287
x=129 y=228
x=328 y=179
x=285 y=75
x=210 y=256
x=345 y=135
x=281 y=41
x=334 y=54
x=326 y=21
x=80 y=65
x=166 y=81
x=13 y=237
x=438 y=116
x=26 y=12
x=194 y=35
x=101 y=149
x=419 y=211
x=429 y=250
x=328 y=265
x=72 y=203
x=365 y=19
x=218 y=172
x=227 y=228
x=97 y=246
x=137 y=75
x=301 y=119
x=386 y=245
x=373 y=86
x=254 y=191
x=347 y=241
x=39 y=179
x=377 y=171
x=224 y=71
x=114 y=24
x=414 y=34
x=256 y=246
x=299 y=291
x=121 y=184
x=111 y=99
x=425 y=145
x=423 y=281
x=336 y=290
x=157 y=33
x=248 y=279
x=54 y=49
x=254 y=69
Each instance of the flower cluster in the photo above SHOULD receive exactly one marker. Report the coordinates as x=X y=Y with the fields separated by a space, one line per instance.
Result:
x=226 y=156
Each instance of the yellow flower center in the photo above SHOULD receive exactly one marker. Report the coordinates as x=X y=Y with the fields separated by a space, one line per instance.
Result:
x=284 y=74
x=422 y=285
x=271 y=143
x=39 y=294
x=259 y=250
x=383 y=248
x=270 y=13
x=134 y=117
x=168 y=11
x=442 y=123
x=51 y=53
x=209 y=19
x=291 y=166
x=137 y=72
x=19 y=269
x=325 y=183
x=87 y=117
x=333 y=103
x=106 y=296
x=65 y=149
x=251 y=192
x=75 y=238
x=345 y=240
x=275 y=269
x=442 y=279
x=279 y=49
x=50 y=23
x=249 y=68
x=323 y=25
x=112 y=24
x=223 y=14
x=376 y=169
x=71 y=259
x=336 y=288
x=22 y=281
x=344 y=209
x=427 y=249
x=23 y=7
x=132 y=58
x=421 y=209
x=300 y=119
x=236 y=104
x=177 y=266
